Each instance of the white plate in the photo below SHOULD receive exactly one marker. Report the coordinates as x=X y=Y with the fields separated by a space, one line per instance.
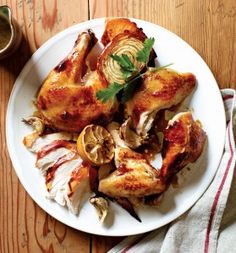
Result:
x=206 y=103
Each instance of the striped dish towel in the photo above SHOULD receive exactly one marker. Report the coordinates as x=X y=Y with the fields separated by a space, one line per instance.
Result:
x=210 y=225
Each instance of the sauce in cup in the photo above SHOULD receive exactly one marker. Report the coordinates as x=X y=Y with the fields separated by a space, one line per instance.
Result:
x=10 y=33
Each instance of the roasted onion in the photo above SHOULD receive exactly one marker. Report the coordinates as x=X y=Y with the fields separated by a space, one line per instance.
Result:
x=126 y=43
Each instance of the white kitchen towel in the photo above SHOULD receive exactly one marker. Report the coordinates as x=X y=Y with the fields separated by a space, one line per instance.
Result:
x=202 y=228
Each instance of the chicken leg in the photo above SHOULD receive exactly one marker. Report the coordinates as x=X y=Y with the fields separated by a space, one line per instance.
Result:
x=67 y=99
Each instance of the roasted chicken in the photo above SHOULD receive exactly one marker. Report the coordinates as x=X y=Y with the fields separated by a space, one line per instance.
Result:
x=67 y=99
x=68 y=102
x=134 y=177
x=183 y=143
x=115 y=26
x=160 y=89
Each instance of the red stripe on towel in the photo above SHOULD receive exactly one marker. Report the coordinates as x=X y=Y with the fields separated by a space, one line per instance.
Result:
x=217 y=196
x=226 y=97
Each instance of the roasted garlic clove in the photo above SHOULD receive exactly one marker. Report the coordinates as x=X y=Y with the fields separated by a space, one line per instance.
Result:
x=154 y=200
x=127 y=205
x=101 y=205
x=105 y=170
x=114 y=129
x=38 y=127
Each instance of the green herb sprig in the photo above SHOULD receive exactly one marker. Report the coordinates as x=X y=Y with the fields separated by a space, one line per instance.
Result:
x=143 y=55
x=126 y=66
x=110 y=92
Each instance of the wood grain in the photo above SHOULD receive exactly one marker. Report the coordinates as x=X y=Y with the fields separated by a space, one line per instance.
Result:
x=209 y=26
x=24 y=227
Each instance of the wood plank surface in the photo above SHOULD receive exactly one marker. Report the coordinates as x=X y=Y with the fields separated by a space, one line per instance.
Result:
x=24 y=227
x=208 y=26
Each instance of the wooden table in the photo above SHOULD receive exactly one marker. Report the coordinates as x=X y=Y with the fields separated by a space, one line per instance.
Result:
x=208 y=26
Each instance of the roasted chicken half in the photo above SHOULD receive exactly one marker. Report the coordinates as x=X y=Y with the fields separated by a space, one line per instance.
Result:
x=134 y=177
x=67 y=99
x=160 y=89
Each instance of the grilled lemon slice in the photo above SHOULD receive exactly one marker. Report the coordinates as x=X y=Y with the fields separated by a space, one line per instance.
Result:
x=95 y=145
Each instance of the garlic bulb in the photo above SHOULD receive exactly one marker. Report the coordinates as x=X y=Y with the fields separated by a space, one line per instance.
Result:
x=101 y=205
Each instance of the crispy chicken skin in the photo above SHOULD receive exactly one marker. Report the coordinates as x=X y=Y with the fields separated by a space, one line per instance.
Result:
x=134 y=176
x=115 y=26
x=159 y=90
x=184 y=141
x=67 y=99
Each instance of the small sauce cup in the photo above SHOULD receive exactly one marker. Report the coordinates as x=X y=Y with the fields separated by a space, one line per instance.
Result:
x=10 y=33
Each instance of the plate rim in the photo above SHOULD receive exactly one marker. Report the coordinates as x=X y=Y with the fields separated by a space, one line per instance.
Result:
x=27 y=67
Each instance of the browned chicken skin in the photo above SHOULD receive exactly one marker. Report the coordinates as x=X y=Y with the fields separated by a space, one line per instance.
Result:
x=183 y=143
x=67 y=99
x=160 y=90
x=115 y=26
x=134 y=176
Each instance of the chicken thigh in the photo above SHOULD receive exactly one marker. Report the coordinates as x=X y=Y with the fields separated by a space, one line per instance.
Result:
x=67 y=99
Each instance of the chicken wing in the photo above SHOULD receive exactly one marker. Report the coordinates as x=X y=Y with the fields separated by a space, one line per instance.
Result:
x=67 y=99
x=160 y=89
